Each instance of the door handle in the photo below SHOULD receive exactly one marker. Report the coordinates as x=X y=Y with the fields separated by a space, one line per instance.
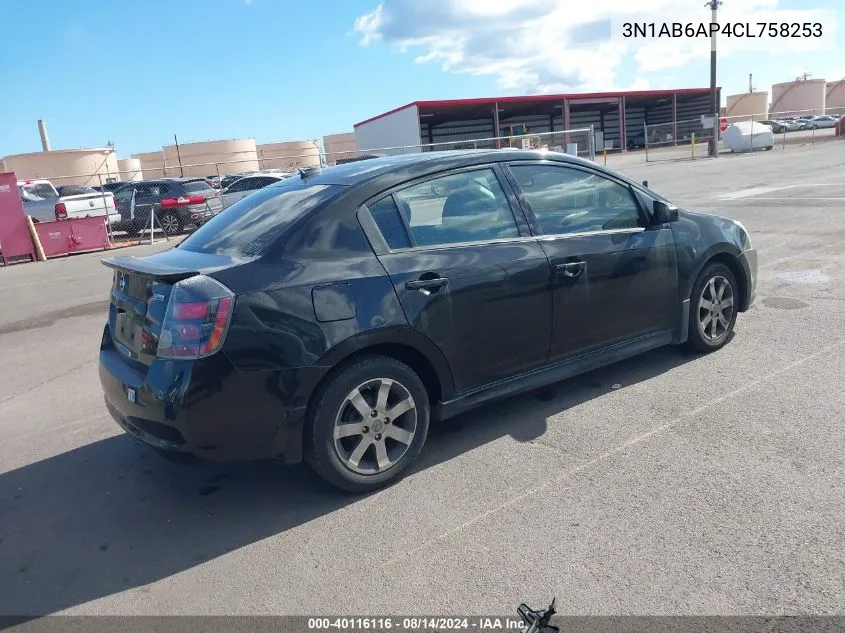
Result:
x=427 y=284
x=571 y=269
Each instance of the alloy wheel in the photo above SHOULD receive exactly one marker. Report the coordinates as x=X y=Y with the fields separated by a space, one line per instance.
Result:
x=715 y=309
x=170 y=224
x=375 y=426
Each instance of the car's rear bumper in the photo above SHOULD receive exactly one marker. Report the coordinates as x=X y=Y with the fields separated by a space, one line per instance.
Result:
x=205 y=407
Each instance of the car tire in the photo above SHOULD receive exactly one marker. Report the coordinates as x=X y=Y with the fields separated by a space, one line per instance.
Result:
x=171 y=223
x=350 y=447
x=711 y=323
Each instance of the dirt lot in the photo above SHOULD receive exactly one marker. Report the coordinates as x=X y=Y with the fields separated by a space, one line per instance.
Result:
x=666 y=484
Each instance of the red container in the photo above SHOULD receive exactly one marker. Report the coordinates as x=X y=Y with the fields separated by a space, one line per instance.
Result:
x=15 y=239
x=73 y=236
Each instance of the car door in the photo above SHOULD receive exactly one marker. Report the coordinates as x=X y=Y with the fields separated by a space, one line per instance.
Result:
x=615 y=272
x=467 y=272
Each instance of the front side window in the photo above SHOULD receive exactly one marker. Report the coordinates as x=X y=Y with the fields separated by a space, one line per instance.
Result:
x=566 y=200
x=465 y=207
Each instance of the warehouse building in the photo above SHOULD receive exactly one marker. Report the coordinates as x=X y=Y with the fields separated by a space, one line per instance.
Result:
x=617 y=117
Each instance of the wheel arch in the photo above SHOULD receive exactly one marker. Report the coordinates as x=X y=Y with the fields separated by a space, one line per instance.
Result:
x=729 y=256
x=402 y=343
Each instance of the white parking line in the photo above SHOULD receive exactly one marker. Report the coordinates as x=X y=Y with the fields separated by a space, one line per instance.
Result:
x=611 y=453
x=755 y=191
x=46 y=281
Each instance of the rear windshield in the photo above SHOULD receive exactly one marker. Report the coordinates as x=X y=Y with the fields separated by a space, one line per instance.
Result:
x=196 y=185
x=37 y=191
x=74 y=190
x=250 y=226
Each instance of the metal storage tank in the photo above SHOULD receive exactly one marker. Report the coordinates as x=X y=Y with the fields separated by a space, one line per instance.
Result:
x=130 y=169
x=89 y=166
x=289 y=154
x=750 y=104
x=799 y=97
x=152 y=164
x=835 y=97
x=339 y=146
x=208 y=158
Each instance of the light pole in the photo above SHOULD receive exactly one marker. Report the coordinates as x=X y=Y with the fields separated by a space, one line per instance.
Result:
x=714 y=100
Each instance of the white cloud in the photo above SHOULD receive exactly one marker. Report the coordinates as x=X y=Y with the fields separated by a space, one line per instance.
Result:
x=559 y=45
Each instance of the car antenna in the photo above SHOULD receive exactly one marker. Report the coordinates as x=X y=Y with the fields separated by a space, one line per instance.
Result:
x=305 y=171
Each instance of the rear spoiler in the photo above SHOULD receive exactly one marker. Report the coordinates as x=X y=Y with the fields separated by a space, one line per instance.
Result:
x=143 y=266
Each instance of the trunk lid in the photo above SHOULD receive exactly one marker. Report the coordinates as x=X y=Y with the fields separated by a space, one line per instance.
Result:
x=140 y=295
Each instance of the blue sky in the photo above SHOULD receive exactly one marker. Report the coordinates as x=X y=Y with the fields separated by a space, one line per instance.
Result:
x=135 y=73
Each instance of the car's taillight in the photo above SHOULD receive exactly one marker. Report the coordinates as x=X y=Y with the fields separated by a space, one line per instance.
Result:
x=197 y=318
x=61 y=211
x=182 y=201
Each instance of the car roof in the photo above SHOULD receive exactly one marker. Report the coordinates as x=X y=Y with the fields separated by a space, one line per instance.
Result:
x=360 y=171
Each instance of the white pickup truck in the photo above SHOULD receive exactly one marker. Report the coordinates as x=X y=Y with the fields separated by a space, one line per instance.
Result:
x=43 y=203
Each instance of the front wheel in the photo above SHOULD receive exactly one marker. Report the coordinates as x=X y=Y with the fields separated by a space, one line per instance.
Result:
x=713 y=309
x=367 y=424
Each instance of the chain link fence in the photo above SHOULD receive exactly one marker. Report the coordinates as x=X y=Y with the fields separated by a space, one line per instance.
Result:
x=678 y=140
x=160 y=203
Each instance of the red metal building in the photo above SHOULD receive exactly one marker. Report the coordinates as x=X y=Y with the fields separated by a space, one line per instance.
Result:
x=618 y=115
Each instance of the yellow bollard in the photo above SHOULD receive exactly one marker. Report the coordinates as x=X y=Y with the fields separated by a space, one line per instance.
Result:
x=693 y=145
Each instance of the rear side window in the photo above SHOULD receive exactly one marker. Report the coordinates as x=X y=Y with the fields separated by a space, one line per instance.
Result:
x=251 y=226
x=468 y=206
x=390 y=223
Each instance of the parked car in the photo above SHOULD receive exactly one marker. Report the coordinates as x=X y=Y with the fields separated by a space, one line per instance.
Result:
x=821 y=122
x=111 y=186
x=332 y=315
x=776 y=126
x=179 y=203
x=242 y=187
x=791 y=125
x=43 y=203
x=227 y=181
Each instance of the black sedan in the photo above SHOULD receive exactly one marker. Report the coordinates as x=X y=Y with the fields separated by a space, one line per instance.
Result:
x=332 y=316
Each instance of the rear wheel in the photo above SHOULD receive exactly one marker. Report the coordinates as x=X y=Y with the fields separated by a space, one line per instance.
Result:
x=171 y=223
x=713 y=309
x=367 y=424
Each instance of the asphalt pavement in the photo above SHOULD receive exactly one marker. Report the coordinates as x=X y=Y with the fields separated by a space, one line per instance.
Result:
x=665 y=484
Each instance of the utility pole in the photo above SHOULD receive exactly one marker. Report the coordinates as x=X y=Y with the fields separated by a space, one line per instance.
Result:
x=178 y=156
x=714 y=101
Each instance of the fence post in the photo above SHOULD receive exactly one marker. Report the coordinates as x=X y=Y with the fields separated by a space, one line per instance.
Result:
x=813 y=127
x=752 y=132
x=592 y=145
x=152 y=216
x=604 y=151
x=692 y=138
x=645 y=139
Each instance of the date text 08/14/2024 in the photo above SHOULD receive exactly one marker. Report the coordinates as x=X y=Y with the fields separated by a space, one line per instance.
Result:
x=410 y=624
x=729 y=29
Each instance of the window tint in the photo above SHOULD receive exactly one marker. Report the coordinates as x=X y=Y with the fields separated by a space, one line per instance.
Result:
x=390 y=223
x=196 y=186
x=251 y=225
x=75 y=190
x=465 y=207
x=566 y=200
x=241 y=184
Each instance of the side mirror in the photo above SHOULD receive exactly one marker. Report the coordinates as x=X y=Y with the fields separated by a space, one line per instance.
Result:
x=664 y=212
x=645 y=184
